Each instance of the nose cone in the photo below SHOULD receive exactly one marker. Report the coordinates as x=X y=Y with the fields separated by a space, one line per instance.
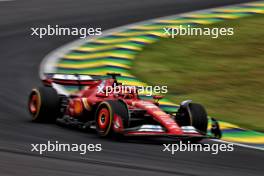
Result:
x=174 y=129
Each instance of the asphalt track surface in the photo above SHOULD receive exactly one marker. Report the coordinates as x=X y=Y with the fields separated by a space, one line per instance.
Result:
x=20 y=56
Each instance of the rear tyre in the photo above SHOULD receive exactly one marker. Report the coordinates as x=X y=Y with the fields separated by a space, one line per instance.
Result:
x=111 y=118
x=44 y=104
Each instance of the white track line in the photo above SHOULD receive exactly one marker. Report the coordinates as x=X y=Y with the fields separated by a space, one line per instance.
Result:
x=48 y=63
x=238 y=144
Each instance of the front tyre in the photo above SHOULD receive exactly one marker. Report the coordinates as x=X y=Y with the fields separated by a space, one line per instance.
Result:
x=44 y=104
x=199 y=117
x=193 y=115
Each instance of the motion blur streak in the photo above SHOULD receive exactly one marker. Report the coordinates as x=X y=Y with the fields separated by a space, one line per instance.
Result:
x=20 y=58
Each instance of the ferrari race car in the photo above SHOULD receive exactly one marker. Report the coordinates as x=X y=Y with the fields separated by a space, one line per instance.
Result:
x=110 y=113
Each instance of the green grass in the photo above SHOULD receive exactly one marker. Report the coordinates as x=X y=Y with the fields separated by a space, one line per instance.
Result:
x=226 y=74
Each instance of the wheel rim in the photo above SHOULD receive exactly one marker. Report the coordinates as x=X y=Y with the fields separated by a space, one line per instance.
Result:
x=34 y=104
x=103 y=119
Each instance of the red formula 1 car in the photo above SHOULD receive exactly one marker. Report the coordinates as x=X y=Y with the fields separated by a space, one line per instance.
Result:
x=110 y=113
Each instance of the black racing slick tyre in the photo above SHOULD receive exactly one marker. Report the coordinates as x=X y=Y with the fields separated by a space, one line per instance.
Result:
x=44 y=104
x=105 y=117
x=193 y=115
x=198 y=117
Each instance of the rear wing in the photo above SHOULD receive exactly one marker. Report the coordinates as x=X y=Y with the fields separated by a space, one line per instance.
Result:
x=70 y=79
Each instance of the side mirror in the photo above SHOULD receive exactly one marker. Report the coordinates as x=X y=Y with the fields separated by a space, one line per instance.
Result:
x=158 y=97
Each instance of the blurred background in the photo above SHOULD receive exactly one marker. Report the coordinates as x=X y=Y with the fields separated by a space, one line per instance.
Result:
x=225 y=74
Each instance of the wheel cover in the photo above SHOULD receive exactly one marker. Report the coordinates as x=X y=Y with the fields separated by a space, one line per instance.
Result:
x=34 y=104
x=103 y=119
